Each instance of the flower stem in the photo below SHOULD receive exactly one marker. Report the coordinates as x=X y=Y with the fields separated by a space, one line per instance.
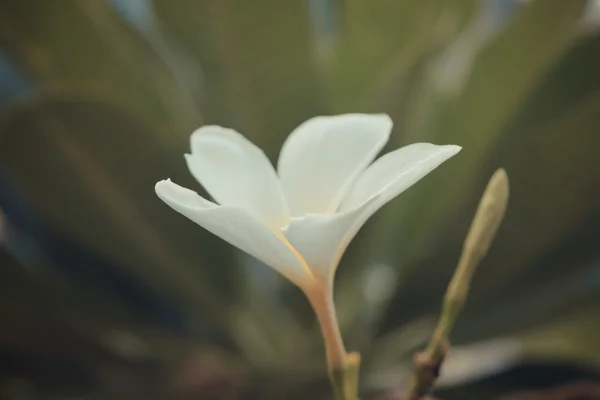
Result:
x=321 y=300
x=343 y=367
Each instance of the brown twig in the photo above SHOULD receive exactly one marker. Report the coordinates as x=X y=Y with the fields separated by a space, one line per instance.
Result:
x=481 y=233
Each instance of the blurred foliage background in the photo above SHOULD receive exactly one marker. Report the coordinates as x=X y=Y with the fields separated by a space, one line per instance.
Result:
x=107 y=293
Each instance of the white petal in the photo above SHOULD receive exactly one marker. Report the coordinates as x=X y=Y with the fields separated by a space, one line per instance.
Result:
x=238 y=227
x=395 y=172
x=321 y=239
x=322 y=157
x=237 y=173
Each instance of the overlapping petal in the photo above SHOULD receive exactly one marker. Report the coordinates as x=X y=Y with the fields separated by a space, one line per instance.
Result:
x=395 y=172
x=323 y=156
x=237 y=173
x=323 y=238
x=389 y=176
x=238 y=227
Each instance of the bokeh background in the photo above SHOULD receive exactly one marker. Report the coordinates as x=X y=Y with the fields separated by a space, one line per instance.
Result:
x=106 y=293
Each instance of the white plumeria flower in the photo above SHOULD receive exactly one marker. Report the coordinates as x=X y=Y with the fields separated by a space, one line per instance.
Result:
x=300 y=218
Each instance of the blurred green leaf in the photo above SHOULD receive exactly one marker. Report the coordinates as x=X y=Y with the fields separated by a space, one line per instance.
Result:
x=98 y=176
x=505 y=73
x=84 y=47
